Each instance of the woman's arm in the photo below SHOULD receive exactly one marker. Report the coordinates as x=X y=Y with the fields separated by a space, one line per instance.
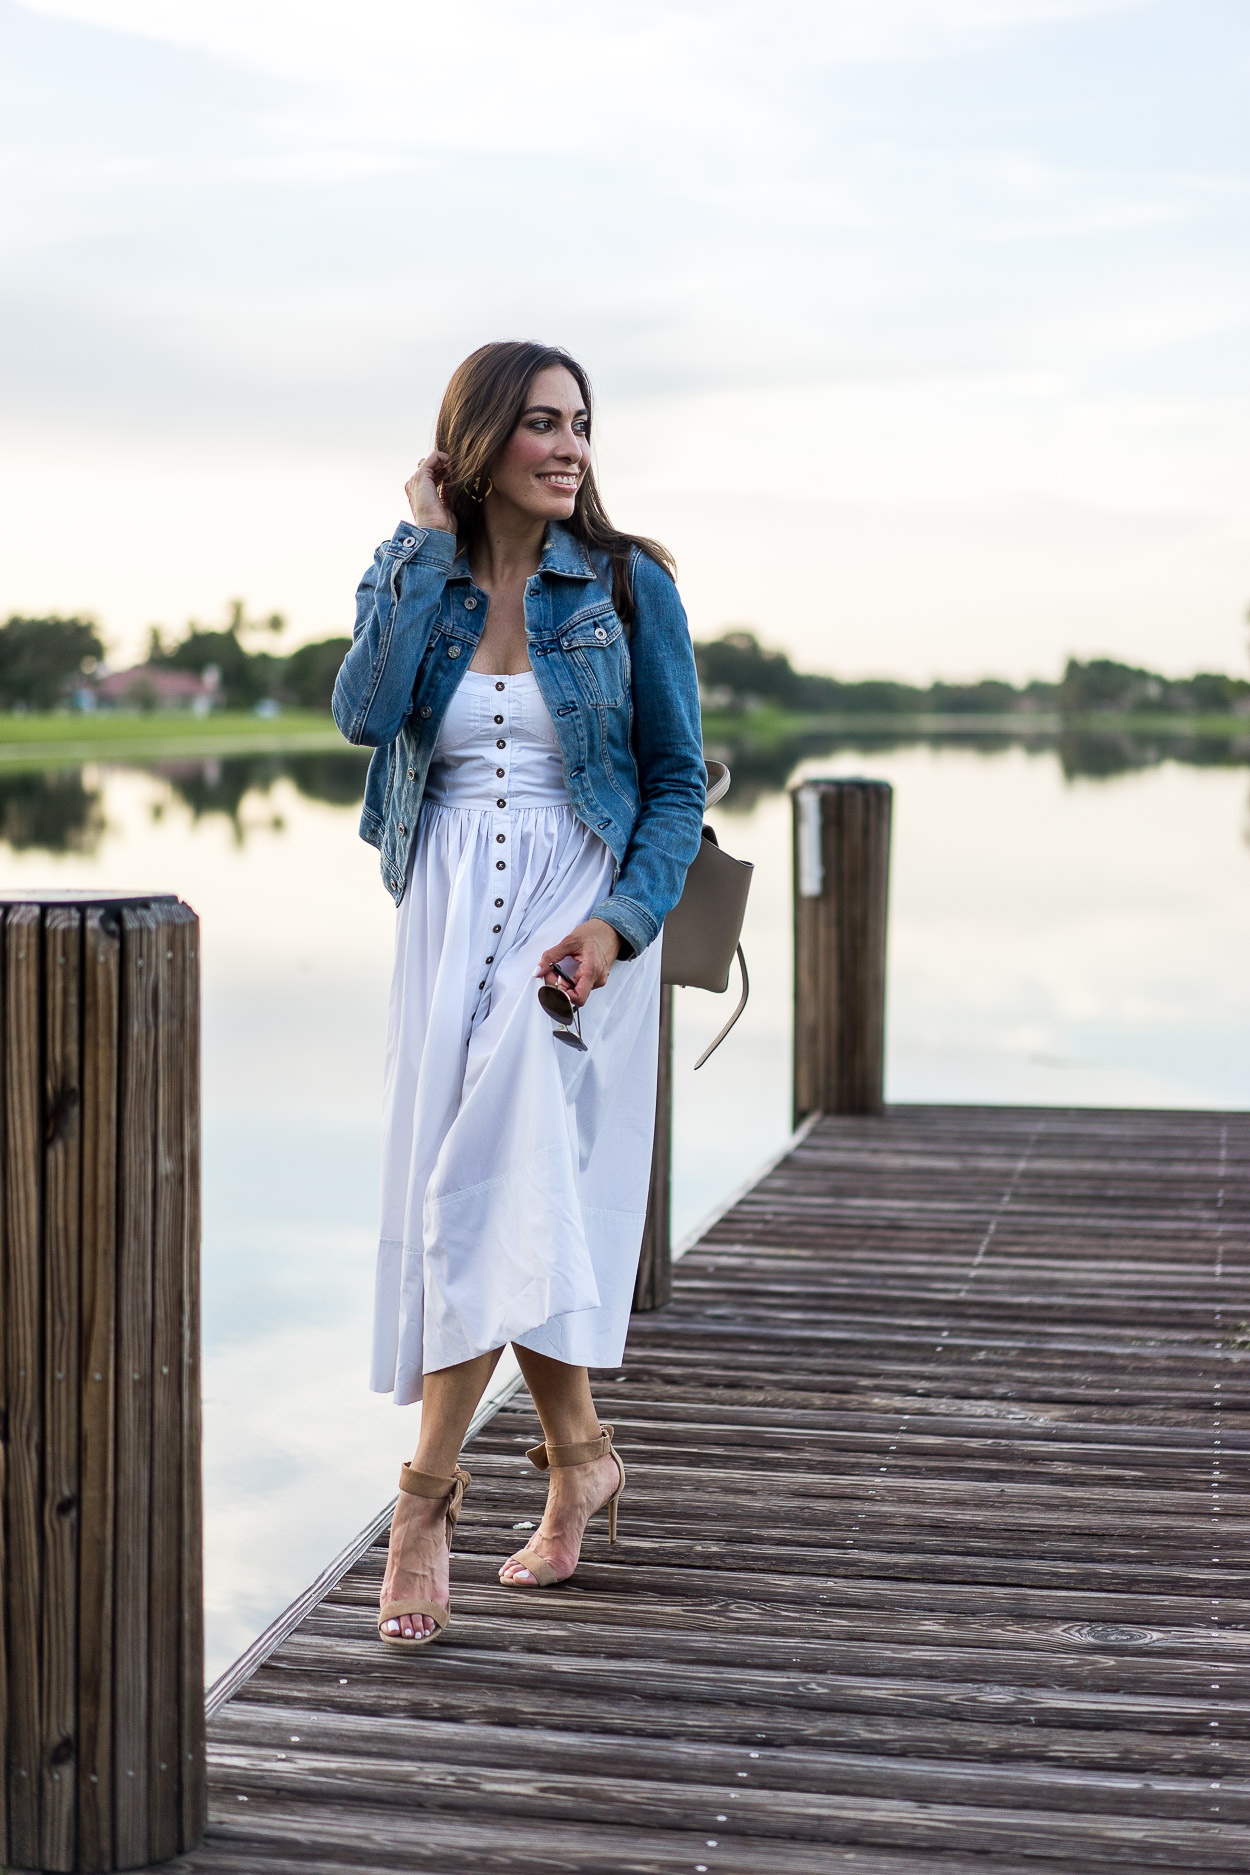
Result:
x=668 y=747
x=397 y=603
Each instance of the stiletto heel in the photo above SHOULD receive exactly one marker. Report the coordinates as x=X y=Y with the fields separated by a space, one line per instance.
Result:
x=583 y=1453
x=426 y=1484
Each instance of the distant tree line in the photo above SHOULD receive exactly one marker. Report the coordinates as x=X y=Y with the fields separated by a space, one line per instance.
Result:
x=303 y=678
x=46 y=662
x=736 y=672
x=41 y=659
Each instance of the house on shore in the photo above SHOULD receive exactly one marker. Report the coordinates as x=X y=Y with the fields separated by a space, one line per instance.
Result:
x=150 y=687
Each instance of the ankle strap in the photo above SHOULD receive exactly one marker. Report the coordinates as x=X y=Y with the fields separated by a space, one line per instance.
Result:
x=581 y=1454
x=430 y=1484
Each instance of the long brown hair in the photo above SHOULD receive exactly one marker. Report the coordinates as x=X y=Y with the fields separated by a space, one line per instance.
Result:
x=481 y=408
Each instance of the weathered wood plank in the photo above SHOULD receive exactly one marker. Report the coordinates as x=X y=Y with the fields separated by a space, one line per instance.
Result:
x=132 y=1731
x=370 y=1742
x=653 y=1285
x=23 y=1297
x=62 y=1139
x=730 y=1724
x=4 y=1437
x=183 y=931
x=168 y=1310
x=314 y=1779
x=269 y=1837
x=101 y=1019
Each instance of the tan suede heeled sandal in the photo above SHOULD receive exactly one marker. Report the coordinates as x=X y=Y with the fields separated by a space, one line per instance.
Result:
x=426 y=1484
x=584 y=1453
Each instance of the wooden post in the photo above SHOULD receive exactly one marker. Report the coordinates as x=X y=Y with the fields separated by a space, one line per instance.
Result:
x=841 y=881
x=654 y=1286
x=101 y=1616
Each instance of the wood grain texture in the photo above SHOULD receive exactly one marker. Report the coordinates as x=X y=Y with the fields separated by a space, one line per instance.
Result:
x=839 y=951
x=168 y=1279
x=23 y=1334
x=132 y=1576
x=62 y=1143
x=934 y=1549
x=182 y=932
x=4 y=1437
x=100 y=1060
x=101 y=1666
x=654 y=1284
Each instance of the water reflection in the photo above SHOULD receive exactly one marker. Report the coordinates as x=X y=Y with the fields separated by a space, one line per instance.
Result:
x=1097 y=756
x=57 y=812
x=61 y=810
x=761 y=768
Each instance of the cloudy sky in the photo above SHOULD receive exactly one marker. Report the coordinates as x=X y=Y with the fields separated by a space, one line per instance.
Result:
x=919 y=327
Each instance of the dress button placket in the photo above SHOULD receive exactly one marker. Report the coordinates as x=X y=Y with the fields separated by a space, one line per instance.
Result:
x=499 y=777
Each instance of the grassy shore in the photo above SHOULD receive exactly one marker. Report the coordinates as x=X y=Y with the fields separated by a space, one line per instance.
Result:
x=62 y=740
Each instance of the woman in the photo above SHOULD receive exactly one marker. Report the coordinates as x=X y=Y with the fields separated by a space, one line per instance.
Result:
x=525 y=675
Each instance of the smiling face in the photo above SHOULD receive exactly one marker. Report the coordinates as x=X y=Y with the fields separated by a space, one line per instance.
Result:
x=541 y=466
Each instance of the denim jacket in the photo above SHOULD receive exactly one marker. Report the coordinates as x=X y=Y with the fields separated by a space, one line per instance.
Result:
x=625 y=705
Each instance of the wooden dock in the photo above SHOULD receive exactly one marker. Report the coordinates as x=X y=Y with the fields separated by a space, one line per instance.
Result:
x=933 y=1551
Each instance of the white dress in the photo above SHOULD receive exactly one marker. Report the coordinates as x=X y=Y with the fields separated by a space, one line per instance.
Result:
x=514 y=1168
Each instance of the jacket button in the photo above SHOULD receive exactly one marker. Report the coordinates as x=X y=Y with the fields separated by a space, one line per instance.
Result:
x=412 y=774
x=499 y=719
x=425 y=712
x=470 y=604
x=600 y=634
x=404 y=829
x=453 y=651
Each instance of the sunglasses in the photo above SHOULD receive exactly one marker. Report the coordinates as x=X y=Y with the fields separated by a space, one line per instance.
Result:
x=559 y=1005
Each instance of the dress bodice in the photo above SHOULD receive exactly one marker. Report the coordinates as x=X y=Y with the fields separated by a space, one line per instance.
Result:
x=497 y=747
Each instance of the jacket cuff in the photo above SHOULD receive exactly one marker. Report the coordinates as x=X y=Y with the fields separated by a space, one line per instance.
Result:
x=433 y=546
x=636 y=927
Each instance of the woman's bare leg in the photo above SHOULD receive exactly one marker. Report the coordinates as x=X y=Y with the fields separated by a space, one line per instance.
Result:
x=574 y=1492
x=417 y=1564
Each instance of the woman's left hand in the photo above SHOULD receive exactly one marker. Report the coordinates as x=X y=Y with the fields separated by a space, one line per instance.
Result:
x=596 y=946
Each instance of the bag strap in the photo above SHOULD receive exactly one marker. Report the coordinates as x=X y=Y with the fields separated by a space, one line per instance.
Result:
x=742 y=1003
x=718 y=779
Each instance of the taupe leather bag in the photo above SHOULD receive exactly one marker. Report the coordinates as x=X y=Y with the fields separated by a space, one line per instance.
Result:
x=702 y=932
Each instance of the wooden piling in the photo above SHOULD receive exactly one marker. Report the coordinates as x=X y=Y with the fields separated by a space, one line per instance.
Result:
x=841 y=884
x=101 y=1638
x=654 y=1284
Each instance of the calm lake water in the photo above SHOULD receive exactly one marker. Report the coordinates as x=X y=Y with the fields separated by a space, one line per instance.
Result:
x=1054 y=939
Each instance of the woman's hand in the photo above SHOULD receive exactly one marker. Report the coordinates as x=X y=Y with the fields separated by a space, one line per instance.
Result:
x=596 y=946
x=423 y=496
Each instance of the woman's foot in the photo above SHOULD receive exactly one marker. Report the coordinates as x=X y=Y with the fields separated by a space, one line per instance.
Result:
x=418 y=1567
x=574 y=1494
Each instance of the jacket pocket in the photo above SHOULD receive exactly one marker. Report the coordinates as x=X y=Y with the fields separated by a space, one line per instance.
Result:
x=595 y=646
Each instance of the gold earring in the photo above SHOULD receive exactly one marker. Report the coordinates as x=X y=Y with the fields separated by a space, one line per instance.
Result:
x=477 y=482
